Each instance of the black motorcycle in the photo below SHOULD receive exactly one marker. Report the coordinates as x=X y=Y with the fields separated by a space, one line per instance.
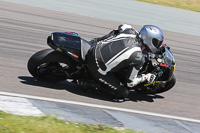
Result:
x=67 y=60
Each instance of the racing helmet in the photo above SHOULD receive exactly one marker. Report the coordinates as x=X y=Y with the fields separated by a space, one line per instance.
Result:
x=152 y=37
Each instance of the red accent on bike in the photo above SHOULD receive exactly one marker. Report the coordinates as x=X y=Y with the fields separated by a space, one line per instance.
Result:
x=164 y=45
x=70 y=32
x=164 y=65
x=75 y=55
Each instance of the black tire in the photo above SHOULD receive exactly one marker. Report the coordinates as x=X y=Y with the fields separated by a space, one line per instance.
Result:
x=48 y=56
x=169 y=85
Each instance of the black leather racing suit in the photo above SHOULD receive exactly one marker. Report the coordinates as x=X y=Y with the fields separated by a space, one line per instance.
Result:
x=111 y=53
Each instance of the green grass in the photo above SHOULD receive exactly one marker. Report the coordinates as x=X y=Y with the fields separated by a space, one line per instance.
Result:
x=193 y=5
x=49 y=124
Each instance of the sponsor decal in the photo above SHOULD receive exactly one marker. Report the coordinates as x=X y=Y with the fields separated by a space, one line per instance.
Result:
x=164 y=65
x=106 y=83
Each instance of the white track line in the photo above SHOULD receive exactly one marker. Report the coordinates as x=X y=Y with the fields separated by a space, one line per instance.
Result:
x=100 y=106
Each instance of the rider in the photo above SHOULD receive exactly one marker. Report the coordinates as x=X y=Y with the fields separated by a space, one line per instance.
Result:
x=120 y=49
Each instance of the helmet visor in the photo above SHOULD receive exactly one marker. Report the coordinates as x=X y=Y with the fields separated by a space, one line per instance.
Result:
x=156 y=42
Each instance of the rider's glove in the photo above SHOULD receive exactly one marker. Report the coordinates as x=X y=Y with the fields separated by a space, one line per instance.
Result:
x=149 y=77
x=144 y=77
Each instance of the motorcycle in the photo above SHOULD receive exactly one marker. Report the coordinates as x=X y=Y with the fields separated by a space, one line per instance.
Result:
x=67 y=60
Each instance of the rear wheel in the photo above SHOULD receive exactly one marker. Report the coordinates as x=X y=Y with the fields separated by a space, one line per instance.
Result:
x=49 y=65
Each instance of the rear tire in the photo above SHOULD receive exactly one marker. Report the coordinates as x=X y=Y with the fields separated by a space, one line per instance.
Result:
x=45 y=59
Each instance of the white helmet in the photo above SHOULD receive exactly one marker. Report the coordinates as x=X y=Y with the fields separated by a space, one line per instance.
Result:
x=152 y=37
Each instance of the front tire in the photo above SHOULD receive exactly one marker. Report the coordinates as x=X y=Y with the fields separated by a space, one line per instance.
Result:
x=169 y=85
x=45 y=65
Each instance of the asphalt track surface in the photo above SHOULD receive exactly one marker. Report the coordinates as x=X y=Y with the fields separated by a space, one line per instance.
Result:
x=24 y=29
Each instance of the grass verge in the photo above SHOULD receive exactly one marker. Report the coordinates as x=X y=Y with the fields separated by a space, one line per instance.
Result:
x=49 y=124
x=193 y=5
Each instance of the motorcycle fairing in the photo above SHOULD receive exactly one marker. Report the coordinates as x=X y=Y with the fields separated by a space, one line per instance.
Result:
x=70 y=43
x=67 y=42
x=168 y=65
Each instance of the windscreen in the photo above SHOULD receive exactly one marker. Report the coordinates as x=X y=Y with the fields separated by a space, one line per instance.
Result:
x=168 y=57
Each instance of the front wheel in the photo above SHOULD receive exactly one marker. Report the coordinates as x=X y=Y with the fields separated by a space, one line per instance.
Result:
x=169 y=85
x=49 y=65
